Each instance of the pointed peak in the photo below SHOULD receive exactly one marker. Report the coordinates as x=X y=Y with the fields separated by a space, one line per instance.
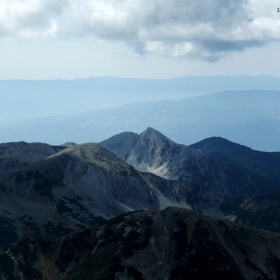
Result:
x=150 y=130
x=121 y=137
x=153 y=134
x=121 y=143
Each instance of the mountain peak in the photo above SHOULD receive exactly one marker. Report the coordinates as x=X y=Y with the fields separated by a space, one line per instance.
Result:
x=219 y=142
x=150 y=130
x=120 y=143
x=152 y=135
x=153 y=152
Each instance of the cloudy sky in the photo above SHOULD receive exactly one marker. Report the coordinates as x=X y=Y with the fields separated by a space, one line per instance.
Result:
x=51 y=39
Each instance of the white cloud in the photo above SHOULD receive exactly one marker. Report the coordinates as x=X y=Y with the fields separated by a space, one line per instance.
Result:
x=31 y=18
x=206 y=30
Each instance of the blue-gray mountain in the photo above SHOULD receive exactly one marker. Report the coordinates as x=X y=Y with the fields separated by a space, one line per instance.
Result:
x=264 y=164
x=250 y=118
x=27 y=98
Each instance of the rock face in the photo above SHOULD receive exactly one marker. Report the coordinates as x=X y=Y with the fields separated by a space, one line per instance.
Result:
x=17 y=154
x=226 y=174
x=174 y=243
x=78 y=187
x=152 y=152
x=155 y=153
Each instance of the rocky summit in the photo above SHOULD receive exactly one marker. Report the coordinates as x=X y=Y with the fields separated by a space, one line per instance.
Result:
x=153 y=152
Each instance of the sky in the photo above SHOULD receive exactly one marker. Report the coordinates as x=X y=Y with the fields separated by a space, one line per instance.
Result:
x=69 y=39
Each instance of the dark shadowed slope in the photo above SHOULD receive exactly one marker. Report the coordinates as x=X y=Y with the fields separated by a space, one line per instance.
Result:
x=17 y=154
x=79 y=187
x=259 y=211
x=170 y=244
x=264 y=163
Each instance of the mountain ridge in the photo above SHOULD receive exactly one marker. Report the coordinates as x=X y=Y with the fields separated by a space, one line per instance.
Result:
x=17 y=154
x=173 y=243
x=78 y=187
x=266 y=163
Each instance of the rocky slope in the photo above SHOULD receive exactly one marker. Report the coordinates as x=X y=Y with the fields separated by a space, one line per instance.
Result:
x=226 y=174
x=17 y=154
x=259 y=211
x=169 y=244
x=79 y=187
x=153 y=152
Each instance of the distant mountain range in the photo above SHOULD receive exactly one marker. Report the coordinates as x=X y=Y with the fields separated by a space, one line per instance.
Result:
x=250 y=118
x=27 y=98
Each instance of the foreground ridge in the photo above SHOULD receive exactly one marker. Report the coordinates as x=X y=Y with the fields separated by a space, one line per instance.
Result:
x=173 y=243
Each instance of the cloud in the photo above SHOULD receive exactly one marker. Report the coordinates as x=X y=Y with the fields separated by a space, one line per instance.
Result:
x=206 y=30
x=31 y=18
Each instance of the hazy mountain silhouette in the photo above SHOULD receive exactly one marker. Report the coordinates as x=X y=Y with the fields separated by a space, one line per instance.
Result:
x=250 y=118
x=55 y=97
